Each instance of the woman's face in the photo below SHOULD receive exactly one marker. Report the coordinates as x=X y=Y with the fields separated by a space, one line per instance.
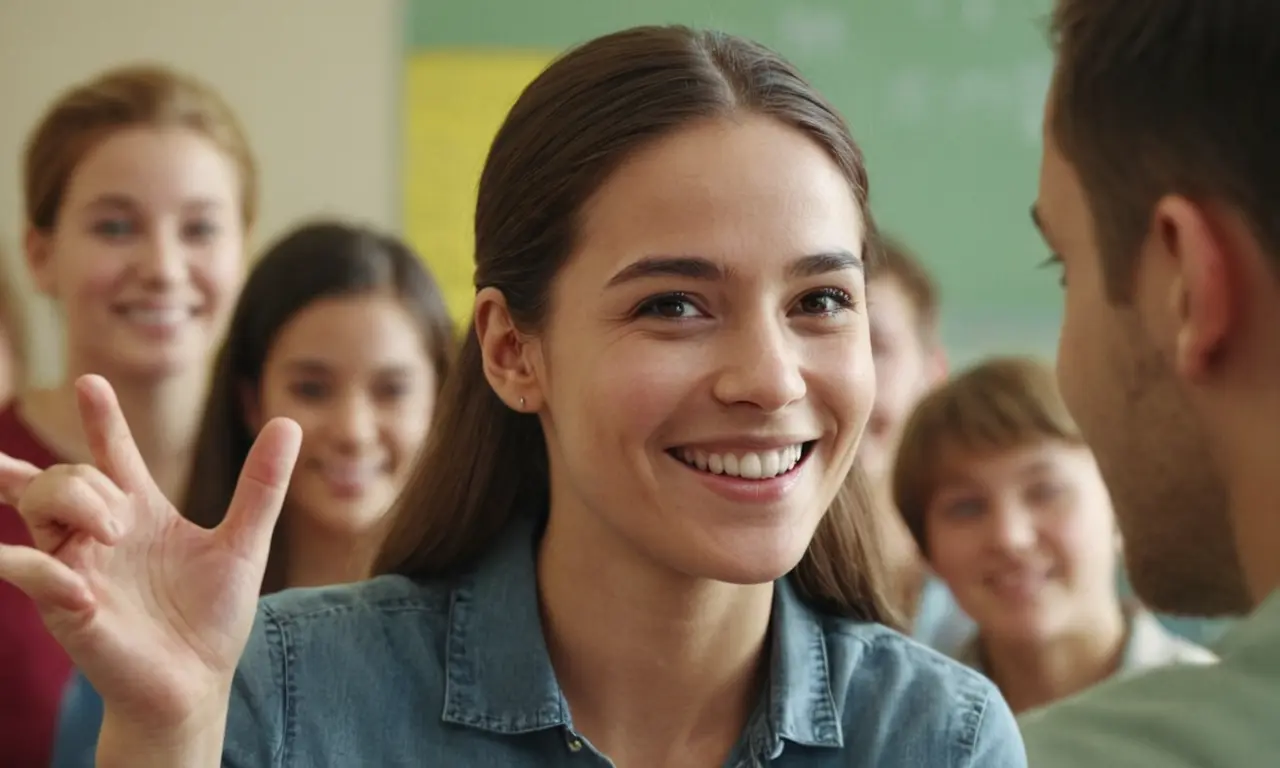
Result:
x=354 y=373
x=147 y=253
x=1025 y=538
x=705 y=373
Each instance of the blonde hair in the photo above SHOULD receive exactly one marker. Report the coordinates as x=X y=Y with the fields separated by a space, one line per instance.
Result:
x=1002 y=403
x=139 y=95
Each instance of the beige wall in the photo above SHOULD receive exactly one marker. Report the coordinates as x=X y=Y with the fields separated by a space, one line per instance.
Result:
x=315 y=81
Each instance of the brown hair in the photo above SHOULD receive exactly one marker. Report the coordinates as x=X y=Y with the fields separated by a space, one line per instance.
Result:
x=570 y=129
x=999 y=404
x=13 y=321
x=899 y=263
x=140 y=95
x=1158 y=97
x=315 y=261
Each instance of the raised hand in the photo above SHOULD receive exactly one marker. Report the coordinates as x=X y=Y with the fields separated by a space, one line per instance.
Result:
x=154 y=609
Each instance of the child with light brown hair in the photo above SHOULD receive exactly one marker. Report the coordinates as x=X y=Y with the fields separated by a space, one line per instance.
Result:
x=1005 y=500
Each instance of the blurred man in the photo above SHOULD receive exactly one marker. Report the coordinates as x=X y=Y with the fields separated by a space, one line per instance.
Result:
x=1160 y=196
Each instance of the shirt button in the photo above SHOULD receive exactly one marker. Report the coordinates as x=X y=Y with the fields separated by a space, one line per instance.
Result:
x=575 y=744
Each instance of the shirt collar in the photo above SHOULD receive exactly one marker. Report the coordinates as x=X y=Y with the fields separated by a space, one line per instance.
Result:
x=498 y=674
x=499 y=678
x=803 y=708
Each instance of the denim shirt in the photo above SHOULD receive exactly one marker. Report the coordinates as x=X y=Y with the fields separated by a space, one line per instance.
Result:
x=79 y=720
x=395 y=673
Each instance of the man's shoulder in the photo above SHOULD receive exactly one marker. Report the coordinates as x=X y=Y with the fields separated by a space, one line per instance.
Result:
x=1179 y=715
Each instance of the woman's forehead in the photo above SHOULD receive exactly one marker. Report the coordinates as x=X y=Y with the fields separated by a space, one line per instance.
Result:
x=723 y=191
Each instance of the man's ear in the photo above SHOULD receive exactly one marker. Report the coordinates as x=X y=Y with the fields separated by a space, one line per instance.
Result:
x=1189 y=281
x=510 y=356
x=38 y=252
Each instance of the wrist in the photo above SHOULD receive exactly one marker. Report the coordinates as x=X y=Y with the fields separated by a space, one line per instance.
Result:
x=194 y=742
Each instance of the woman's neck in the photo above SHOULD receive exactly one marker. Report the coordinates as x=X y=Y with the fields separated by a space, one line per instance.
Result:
x=658 y=669
x=163 y=416
x=1034 y=674
x=318 y=558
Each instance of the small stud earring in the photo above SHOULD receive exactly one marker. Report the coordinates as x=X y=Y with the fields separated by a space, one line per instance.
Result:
x=522 y=403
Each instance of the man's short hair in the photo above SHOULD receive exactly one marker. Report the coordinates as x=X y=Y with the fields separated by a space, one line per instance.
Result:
x=1157 y=97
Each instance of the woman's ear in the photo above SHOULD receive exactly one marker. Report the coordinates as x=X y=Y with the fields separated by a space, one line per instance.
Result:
x=510 y=357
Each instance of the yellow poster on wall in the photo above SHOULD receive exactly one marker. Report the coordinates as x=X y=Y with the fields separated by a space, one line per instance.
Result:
x=454 y=102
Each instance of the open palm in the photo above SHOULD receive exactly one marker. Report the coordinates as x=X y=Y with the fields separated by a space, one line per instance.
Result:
x=153 y=609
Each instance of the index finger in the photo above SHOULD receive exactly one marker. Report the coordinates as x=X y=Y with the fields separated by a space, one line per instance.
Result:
x=108 y=435
x=15 y=476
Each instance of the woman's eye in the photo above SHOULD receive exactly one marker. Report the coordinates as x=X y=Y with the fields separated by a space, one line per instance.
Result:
x=965 y=508
x=199 y=230
x=827 y=301
x=113 y=228
x=670 y=307
x=1043 y=492
x=308 y=390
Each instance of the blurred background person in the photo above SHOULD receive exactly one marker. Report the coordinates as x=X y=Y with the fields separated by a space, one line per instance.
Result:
x=342 y=329
x=1006 y=502
x=13 y=333
x=140 y=190
x=903 y=305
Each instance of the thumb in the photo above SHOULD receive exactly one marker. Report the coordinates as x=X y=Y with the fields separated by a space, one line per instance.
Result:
x=260 y=493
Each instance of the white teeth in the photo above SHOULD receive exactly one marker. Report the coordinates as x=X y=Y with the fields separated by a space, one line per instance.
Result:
x=753 y=465
x=166 y=316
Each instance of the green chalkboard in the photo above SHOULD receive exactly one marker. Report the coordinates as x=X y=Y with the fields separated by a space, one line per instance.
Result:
x=945 y=97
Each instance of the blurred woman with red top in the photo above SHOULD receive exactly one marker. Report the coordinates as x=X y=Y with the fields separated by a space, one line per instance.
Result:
x=140 y=190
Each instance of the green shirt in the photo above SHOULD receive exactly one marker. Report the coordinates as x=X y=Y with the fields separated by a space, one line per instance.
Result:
x=1224 y=715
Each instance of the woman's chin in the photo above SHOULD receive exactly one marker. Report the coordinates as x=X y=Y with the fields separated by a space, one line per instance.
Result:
x=748 y=565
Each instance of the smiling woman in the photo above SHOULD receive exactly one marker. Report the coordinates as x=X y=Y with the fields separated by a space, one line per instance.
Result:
x=139 y=189
x=343 y=330
x=671 y=231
